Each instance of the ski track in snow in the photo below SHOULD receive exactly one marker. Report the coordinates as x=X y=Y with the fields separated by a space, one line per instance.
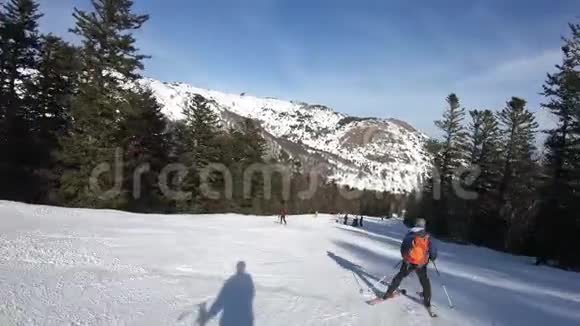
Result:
x=100 y=267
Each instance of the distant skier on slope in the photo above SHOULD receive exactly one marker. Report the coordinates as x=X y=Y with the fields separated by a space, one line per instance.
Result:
x=417 y=249
x=354 y=221
x=283 y=213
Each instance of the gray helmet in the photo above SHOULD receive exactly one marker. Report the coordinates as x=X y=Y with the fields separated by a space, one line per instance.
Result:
x=420 y=222
x=241 y=267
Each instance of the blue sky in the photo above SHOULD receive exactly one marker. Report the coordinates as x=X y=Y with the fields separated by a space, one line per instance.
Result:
x=397 y=58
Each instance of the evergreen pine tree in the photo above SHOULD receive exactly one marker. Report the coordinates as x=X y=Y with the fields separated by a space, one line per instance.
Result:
x=55 y=85
x=447 y=160
x=558 y=221
x=19 y=46
x=19 y=49
x=484 y=153
x=109 y=52
x=51 y=94
x=253 y=143
x=200 y=139
x=254 y=147
x=204 y=129
x=518 y=173
x=146 y=140
x=109 y=60
x=247 y=147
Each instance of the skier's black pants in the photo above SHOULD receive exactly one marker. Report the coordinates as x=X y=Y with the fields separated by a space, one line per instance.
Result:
x=283 y=220
x=407 y=269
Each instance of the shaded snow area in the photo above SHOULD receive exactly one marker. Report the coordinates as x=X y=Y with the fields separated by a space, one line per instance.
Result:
x=89 y=267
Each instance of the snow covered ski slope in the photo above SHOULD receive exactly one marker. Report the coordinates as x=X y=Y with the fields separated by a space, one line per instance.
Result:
x=89 y=267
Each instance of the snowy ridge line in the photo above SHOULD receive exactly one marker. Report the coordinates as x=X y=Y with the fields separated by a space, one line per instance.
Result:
x=364 y=153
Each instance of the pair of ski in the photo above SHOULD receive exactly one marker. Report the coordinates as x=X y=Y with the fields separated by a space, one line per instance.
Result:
x=379 y=299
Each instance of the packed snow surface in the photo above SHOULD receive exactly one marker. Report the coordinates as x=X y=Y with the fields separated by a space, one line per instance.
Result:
x=97 y=267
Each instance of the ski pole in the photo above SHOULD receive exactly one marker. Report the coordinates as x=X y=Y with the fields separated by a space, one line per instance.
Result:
x=443 y=286
x=398 y=264
x=374 y=286
x=360 y=289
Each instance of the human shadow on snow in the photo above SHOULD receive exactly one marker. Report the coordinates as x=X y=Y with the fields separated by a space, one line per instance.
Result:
x=357 y=270
x=234 y=301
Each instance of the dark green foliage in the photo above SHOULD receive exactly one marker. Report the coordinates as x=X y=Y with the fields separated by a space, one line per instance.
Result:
x=518 y=173
x=433 y=146
x=484 y=155
x=347 y=120
x=92 y=141
x=55 y=86
x=448 y=159
x=109 y=51
x=19 y=57
x=558 y=223
x=147 y=144
x=451 y=154
x=483 y=189
x=19 y=47
x=252 y=144
x=484 y=145
x=202 y=133
x=246 y=151
x=52 y=94
x=200 y=144
x=515 y=209
x=102 y=134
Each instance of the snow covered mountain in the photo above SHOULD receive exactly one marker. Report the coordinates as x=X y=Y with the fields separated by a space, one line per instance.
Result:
x=364 y=153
